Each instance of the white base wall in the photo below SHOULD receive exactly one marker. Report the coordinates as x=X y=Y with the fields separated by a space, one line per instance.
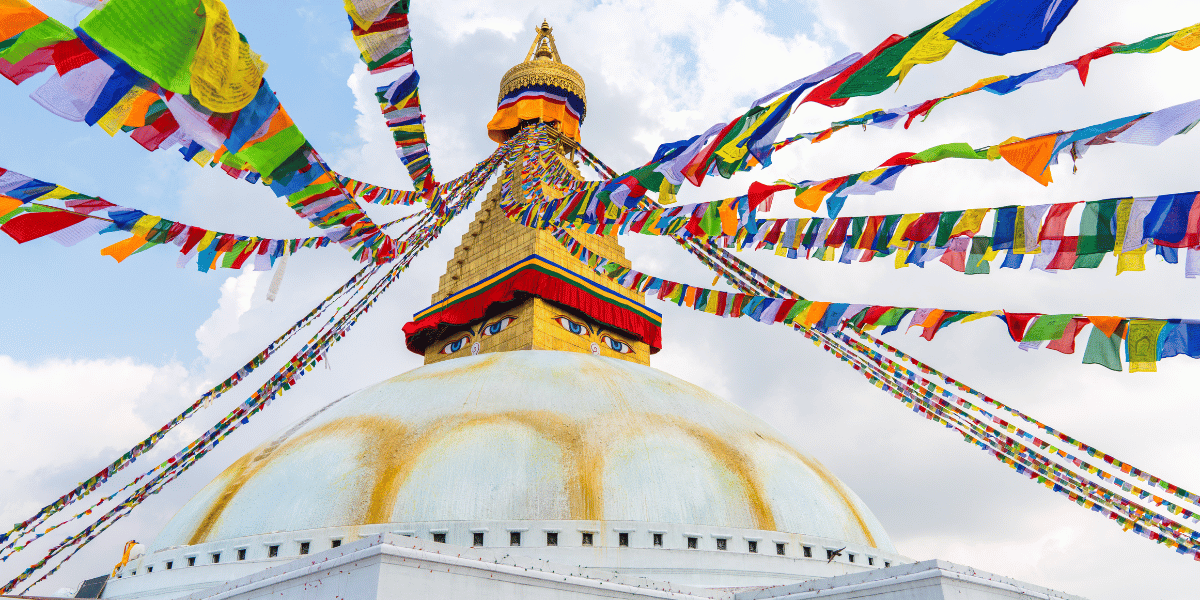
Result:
x=394 y=567
x=148 y=576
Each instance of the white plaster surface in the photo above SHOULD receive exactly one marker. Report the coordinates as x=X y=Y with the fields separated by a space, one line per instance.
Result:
x=524 y=435
x=389 y=566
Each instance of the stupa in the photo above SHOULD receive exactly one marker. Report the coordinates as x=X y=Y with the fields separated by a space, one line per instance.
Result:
x=536 y=454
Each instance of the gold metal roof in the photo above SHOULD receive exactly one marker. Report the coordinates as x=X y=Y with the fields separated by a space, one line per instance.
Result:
x=542 y=66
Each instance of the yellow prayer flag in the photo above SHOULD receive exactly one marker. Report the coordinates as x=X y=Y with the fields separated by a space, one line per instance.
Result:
x=142 y=227
x=1132 y=260
x=226 y=74
x=203 y=158
x=365 y=12
x=988 y=256
x=115 y=117
x=57 y=193
x=202 y=245
x=981 y=315
x=801 y=227
x=1185 y=39
x=1019 y=232
x=970 y=222
x=934 y=45
x=666 y=192
x=897 y=240
x=1121 y=218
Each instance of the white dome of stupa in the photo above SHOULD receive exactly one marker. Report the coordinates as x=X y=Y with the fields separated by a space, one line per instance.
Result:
x=521 y=448
x=532 y=435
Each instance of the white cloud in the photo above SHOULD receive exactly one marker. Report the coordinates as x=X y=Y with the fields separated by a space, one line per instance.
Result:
x=68 y=413
x=237 y=296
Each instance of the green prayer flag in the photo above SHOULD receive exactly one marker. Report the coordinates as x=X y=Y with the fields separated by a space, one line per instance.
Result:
x=39 y=36
x=158 y=38
x=1146 y=45
x=892 y=317
x=797 y=309
x=1103 y=350
x=976 y=265
x=1047 y=327
x=946 y=225
x=952 y=150
x=711 y=221
x=873 y=77
x=1095 y=227
x=1089 y=261
x=857 y=225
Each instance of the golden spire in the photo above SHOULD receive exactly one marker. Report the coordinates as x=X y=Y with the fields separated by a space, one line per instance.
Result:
x=543 y=66
x=543 y=44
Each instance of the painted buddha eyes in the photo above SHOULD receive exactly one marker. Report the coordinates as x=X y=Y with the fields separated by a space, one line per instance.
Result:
x=456 y=345
x=581 y=329
x=573 y=327
x=616 y=345
x=498 y=326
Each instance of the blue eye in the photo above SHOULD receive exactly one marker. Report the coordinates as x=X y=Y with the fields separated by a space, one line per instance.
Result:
x=616 y=345
x=456 y=345
x=572 y=326
x=498 y=326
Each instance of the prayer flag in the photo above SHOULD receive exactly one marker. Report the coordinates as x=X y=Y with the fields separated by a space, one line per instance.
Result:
x=1003 y=26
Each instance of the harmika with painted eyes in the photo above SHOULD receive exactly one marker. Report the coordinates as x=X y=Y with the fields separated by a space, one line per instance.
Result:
x=583 y=330
x=494 y=327
x=487 y=329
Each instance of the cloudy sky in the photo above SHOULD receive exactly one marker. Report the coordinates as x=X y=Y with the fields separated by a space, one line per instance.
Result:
x=94 y=355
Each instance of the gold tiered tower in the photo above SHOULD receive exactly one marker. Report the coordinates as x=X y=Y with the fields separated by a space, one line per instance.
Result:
x=531 y=319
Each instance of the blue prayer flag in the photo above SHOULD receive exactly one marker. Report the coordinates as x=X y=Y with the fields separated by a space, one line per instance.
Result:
x=1003 y=26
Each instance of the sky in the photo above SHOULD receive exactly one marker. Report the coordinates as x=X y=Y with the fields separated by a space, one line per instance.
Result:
x=94 y=355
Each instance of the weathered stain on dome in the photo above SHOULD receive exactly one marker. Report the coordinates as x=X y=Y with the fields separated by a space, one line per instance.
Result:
x=588 y=438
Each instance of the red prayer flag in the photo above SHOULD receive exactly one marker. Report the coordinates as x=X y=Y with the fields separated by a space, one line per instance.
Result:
x=1065 y=257
x=1017 y=322
x=1082 y=63
x=902 y=159
x=31 y=65
x=70 y=55
x=1066 y=343
x=1056 y=221
x=923 y=109
x=31 y=226
x=760 y=192
x=923 y=227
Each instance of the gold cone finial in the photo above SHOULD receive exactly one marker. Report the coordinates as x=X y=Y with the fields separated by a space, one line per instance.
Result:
x=543 y=47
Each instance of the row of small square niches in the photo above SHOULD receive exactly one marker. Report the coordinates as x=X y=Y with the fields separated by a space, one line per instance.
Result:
x=629 y=538
x=268 y=551
x=482 y=537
